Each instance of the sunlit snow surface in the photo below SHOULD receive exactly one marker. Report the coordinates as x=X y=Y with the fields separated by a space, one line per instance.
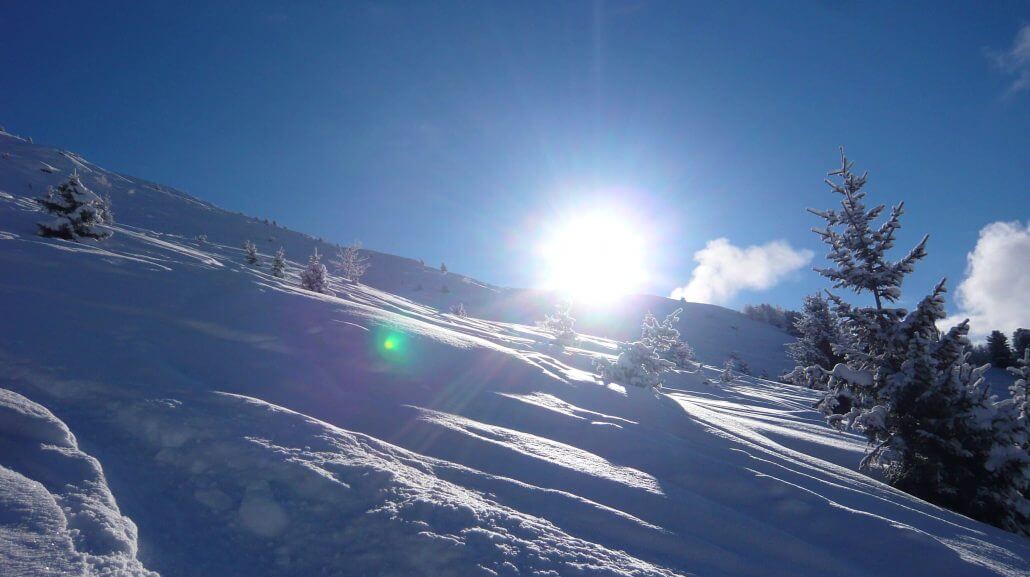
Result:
x=166 y=408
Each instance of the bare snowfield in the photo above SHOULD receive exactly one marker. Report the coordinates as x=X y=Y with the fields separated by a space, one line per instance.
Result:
x=166 y=409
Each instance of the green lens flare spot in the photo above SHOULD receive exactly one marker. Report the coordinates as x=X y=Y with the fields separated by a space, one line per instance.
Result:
x=391 y=345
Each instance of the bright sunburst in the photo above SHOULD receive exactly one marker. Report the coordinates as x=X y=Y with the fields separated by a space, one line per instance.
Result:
x=593 y=258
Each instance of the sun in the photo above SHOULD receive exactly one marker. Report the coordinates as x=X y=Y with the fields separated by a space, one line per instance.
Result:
x=593 y=258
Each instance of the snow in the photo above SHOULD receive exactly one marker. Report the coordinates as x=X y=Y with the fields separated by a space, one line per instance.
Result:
x=246 y=426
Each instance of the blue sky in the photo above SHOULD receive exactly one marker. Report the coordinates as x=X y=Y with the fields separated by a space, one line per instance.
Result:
x=459 y=131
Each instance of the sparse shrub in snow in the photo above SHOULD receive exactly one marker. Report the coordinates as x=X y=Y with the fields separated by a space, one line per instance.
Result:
x=740 y=364
x=80 y=212
x=202 y=238
x=459 y=310
x=774 y=315
x=932 y=428
x=250 y=253
x=639 y=363
x=279 y=264
x=315 y=277
x=351 y=263
x=561 y=324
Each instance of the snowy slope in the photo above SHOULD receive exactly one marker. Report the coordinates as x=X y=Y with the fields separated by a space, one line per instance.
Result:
x=248 y=427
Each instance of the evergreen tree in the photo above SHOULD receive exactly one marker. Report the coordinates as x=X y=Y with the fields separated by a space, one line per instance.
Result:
x=639 y=363
x=108 y=216
x=1020 y=342
x=315 y=277
x=351 y=263
x=727 y=375
x=443 y=267
x=998 y=348
x=80 y=212
x=561 y=325
x=444 y=289
x=819 y=331
x=664 y=338
x=250 y=253
x=279 y=264
x=932 y=429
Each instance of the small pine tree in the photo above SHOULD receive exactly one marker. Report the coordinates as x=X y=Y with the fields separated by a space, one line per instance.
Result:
x=998 y=348
x=664 y=338
x=444 y=289
x=108 y=216
x=727 y=375
x=351 y=262
x=639 y=363
x=250 y=253
x=561 y=325
x=80 y=212
x=315 y=277
x=458 y=310
x=443 y=267
x=279 y=264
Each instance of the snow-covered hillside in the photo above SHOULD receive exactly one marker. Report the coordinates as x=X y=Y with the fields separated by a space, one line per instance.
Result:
x=166 y=408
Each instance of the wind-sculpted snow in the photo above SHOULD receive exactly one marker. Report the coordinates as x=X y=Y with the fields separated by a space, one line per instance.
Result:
x=249 y=427
x=547 y=450
x=57 y=516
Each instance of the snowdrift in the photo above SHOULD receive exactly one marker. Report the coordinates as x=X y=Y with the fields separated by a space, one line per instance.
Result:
x=166 y=409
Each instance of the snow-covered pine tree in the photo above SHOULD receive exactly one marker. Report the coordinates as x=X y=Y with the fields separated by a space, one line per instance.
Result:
x=108 y=216
x=933 y=430
x=250 y=254
x=443 y=267
x=727 y=375
x=1020 y=342
x=561 y=324
x=664 y=338
x=1020 y=389
x=80 y=212
x=458 y=310
x=279 y=264
x=315 y=276
x=859 y=251
x=819 y=332
x=639 y=363
x=351 y=262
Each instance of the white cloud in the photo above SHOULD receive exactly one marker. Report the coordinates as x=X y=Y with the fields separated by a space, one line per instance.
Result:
x=1016 y=60
x=996 y=291
x=723 y=270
